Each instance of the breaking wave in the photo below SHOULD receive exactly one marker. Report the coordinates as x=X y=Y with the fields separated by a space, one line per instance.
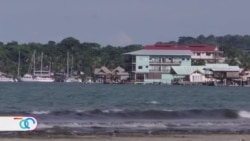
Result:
x=97 y=114
x=146 y=114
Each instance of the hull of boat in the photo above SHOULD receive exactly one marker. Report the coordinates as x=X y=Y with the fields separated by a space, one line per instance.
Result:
x=6 y=80
x=36 y=80
x=73 y=80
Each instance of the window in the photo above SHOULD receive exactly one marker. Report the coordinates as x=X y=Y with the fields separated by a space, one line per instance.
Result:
x=188 y=59
x=183 y=59
x=166 y=69
x=146 y=66
x=139 y=67
x=198 y=54
x=164 y=60
x=208 y=54
x=155 y=68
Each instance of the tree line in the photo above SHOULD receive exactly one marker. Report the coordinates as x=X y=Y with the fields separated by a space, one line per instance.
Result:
x=88 y=56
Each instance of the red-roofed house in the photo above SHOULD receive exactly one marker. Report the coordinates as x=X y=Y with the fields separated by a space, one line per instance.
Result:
x=208 y=53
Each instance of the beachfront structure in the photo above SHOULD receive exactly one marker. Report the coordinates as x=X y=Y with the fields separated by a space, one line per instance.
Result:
x=191 y=74
x=206 y=73
x=154 y=66
x=105 y=75
x=245 y=77
x=102 y=74
x=206 y=53
x=222 y=71
x=119 y=74
x=228 y=75
x=197 y=77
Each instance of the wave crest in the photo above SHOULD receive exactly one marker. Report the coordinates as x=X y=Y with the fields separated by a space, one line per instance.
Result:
x=146 y=114
x=244 y=114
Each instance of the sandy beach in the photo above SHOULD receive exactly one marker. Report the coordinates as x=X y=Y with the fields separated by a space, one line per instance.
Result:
x=178 y=137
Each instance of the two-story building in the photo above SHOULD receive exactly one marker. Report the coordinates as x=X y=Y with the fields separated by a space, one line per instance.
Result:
x=154 y=66
x=207 y=53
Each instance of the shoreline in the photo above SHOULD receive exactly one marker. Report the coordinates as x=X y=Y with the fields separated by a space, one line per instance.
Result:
x=167 y=137
x=42 y=135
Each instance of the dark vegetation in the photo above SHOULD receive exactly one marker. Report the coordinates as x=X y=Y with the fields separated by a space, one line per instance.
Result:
x=88 y=56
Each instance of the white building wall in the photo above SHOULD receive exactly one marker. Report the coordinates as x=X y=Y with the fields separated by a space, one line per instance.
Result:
x=197 y=77
x=202 y=55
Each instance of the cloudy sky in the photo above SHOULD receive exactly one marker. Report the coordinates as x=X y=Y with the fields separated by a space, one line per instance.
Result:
x=120 y=22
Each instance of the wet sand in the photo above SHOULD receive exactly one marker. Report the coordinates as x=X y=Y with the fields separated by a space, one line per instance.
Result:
x=177 y=137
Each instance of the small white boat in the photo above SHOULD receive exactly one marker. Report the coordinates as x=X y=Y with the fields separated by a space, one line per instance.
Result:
x=27 y=78
x=44 y=79
x=70 y=77
x=73 y=79
x=30 y=78
x=6 y=79
x=38 y=75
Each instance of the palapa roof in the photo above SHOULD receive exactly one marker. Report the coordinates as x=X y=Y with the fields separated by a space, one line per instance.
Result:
x=118 y=69
x=102 y=70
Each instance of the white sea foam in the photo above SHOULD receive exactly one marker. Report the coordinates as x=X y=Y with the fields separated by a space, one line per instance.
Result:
x=153 y=102
x=40 y=112
x=79 y=111
x=244 y=114
x=52 y=125
x=105 y=125
x=117 y=110
x=168 y=110
x=112 y=110
x=44 y=126
x=106 y=111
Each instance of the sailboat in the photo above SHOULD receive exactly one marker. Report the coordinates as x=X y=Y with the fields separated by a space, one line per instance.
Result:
x=4 y=78
x=38 y=75
x=71 y=78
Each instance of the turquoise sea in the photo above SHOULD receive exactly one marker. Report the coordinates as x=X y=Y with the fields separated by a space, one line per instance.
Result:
x=90 y=108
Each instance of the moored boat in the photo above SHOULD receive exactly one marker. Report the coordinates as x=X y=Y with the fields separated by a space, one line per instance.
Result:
x=38 y=75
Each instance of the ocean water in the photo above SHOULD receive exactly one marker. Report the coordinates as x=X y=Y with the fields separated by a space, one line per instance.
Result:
x=95 y=108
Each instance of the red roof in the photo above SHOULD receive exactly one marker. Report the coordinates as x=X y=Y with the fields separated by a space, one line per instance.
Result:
x=193 y=48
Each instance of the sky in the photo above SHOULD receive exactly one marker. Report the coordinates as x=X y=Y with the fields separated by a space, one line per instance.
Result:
x=120 y=22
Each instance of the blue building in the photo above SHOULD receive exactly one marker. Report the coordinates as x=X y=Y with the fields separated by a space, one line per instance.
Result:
x=154 y=66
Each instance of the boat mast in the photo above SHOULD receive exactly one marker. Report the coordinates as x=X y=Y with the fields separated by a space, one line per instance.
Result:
x=49 y=69
x=71 y=72
x=34 y=61
x=67 y=75
x=18 y=67
x=41 y=64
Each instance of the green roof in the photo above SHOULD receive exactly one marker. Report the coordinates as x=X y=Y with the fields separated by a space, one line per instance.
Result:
x=207 y=69
x=187 y=70
x=222 y=67
x=217 y=65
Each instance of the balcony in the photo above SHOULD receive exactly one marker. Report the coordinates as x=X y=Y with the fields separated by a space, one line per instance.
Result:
x=159 y=71
x=165 y=62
